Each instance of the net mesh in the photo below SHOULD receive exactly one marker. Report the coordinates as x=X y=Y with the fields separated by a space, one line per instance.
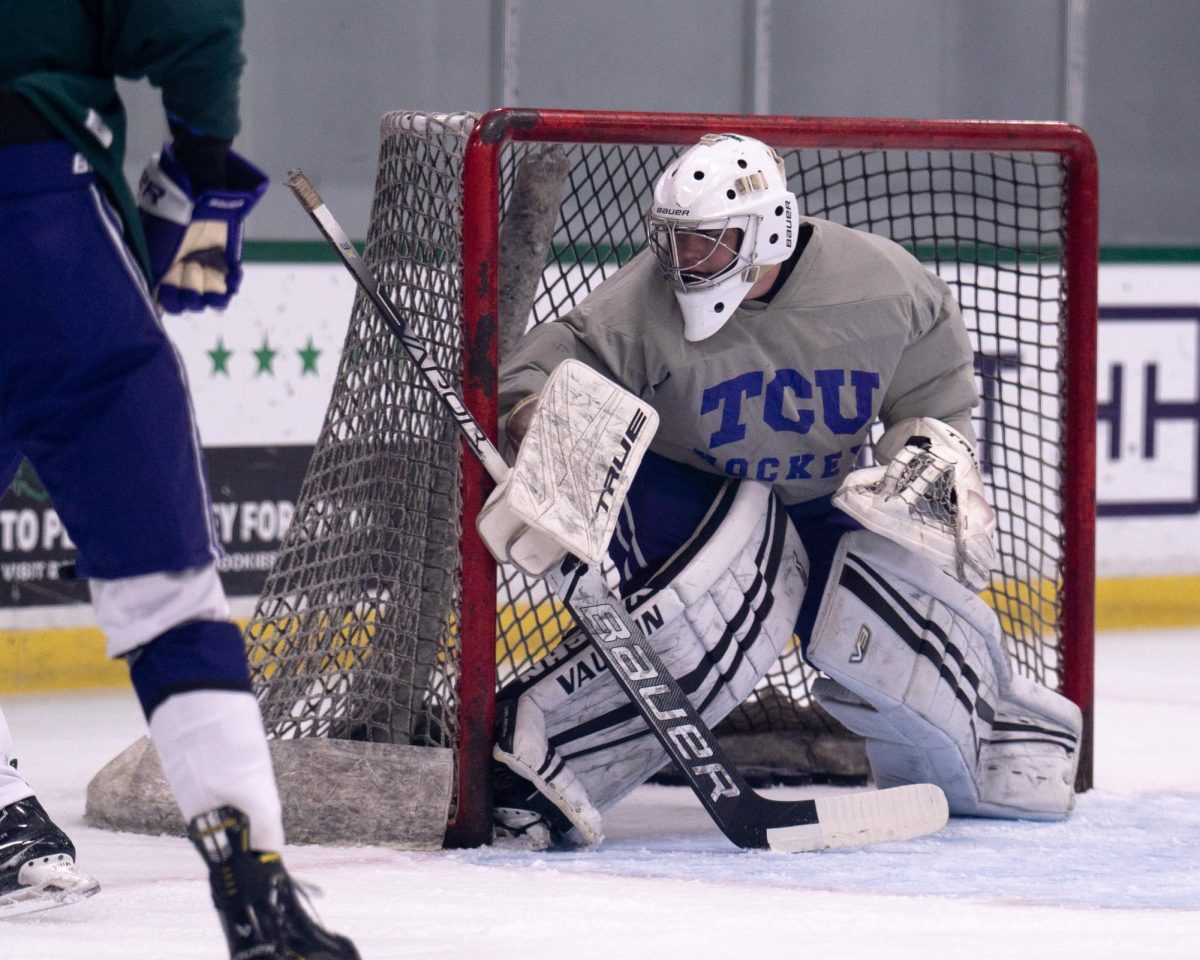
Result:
x=355 y=634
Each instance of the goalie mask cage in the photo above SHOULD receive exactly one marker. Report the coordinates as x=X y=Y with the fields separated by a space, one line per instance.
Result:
x=384 y=618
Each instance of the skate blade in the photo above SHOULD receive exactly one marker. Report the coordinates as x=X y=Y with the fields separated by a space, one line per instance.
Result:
x=871 y=816
x=515 y=829
x=47 y=883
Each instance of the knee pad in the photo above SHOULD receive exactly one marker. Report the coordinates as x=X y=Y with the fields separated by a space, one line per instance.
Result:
x=916 y=663
x=201 y=655
x=719 y=613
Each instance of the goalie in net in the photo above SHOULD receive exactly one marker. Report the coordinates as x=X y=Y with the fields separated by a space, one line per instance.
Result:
x=769 y=344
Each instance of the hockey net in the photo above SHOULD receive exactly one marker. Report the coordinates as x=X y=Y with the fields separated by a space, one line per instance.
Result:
x=383 y=619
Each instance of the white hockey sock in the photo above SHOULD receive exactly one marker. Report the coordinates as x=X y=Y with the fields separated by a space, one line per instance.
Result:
x=214 y=753
x=12 y=785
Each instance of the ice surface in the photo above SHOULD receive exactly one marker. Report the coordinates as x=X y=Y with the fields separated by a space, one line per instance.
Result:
x=1120 y=879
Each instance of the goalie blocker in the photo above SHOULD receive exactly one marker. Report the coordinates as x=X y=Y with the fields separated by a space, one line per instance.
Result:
x=583 y=446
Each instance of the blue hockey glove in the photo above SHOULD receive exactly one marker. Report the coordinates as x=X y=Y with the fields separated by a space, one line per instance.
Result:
x=196 y=241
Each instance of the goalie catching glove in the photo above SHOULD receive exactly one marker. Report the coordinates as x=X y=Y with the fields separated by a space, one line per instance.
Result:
x=927 y=496
x=585 y=441
x=195 y=241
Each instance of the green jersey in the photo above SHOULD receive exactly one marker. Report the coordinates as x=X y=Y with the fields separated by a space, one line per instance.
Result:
x=786 y=391
x=64 y=55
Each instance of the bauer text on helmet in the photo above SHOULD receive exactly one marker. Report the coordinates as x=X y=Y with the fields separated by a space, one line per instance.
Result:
x=721 y=212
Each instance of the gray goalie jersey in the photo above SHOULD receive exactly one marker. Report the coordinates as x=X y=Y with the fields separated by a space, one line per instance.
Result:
x=784 y=392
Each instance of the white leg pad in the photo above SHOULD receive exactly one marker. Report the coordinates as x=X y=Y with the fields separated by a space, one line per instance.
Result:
x=1023 y=765
x=525 y=750
x=916 y=664
x=719 y=616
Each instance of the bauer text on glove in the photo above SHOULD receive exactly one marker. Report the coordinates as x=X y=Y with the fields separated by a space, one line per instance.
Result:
x=195 y=241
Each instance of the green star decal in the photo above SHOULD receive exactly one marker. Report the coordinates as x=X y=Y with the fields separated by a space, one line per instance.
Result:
x=220 y=357
x=308 y=358
x=265 y=357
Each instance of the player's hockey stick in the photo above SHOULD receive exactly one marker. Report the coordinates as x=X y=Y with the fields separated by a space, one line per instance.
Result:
x=744 y=816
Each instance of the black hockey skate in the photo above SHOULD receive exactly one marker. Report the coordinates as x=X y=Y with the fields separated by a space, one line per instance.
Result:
x=260 y=910
x=37 y=862
x=522 y=817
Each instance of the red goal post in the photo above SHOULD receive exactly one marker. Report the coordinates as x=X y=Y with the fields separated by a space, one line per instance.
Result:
x=481 y=214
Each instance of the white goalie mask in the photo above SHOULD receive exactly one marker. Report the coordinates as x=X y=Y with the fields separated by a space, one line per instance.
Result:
x=721 y=212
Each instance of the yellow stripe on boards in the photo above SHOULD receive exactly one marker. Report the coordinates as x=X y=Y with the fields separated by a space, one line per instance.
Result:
x=65 y=658
x=1131 y=603
x=70 y=658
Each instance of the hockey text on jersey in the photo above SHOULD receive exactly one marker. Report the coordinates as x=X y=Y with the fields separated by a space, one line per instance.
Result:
x=792 y=403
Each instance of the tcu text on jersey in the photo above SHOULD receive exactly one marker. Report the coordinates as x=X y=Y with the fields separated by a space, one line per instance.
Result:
x=791 y=404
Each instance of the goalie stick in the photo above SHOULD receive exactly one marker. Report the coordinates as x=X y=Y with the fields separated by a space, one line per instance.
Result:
x=748 y=819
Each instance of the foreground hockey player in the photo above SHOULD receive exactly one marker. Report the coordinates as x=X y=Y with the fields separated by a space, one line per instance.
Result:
x=769 y=344
x=94 y=396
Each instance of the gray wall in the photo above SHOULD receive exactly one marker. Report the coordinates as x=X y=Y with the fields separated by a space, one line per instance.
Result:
x=321 y=73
